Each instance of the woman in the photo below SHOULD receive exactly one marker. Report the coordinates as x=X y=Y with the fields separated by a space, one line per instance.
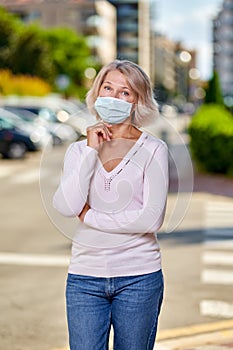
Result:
x=116 y=183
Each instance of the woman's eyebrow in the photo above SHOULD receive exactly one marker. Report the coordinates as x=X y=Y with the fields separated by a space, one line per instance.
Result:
x=122 y=86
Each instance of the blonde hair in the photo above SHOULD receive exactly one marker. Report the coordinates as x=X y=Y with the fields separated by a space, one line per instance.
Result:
x=146 y=108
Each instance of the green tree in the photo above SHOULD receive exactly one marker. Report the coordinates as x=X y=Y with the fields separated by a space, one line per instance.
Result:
x=70 y=55
x=211 y=139
x=48 y=54
x=31 y=55
x=213 y=90
x=9 y=27
x=23 y=49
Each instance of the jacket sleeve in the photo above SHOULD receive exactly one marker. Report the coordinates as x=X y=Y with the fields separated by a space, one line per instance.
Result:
x=150 y=217
x=72 y=193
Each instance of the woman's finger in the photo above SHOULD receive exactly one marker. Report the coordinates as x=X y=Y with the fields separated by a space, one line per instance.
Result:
x=101 y=129
x=98 y=133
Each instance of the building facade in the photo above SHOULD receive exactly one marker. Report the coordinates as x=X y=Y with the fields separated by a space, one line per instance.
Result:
x=114 y=28
x=52 y=13
x=164 y=63
x=133 y=31
x=174 y=68
x=223 y=48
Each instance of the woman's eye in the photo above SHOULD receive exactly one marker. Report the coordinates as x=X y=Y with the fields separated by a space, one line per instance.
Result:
x=125 y=93
x=107 y=88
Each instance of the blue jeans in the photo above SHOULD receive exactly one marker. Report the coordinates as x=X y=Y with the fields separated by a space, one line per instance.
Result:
x=130 y=304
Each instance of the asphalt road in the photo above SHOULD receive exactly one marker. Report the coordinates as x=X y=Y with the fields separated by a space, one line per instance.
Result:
x=32 y=271
x=34 y=255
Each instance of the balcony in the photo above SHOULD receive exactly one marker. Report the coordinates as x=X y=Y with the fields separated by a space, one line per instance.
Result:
x=129 y=42
x=128 y=55
x=127 y=26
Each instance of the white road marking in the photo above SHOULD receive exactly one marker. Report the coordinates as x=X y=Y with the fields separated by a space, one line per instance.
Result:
x=219 y=219
x=218 y=223
x=222 y=277
x=219 y=214
x=19 y=175
x=218 y=252
x=33 y=259
x=216 y=308
x=226 y=244
x=26 y=177
x=4 y=172
x=217 y=258
x=219 y=205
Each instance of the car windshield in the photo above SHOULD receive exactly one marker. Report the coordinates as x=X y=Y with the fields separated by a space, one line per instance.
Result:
x=6 y=124
x=47 y=114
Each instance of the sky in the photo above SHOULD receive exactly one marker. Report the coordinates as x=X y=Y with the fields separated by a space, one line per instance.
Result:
x=189 y=21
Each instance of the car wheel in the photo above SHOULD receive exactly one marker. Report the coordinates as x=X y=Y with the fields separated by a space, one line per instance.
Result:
x=16 y=150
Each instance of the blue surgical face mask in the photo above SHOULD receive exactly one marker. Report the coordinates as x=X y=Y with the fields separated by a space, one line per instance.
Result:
x=113 y=110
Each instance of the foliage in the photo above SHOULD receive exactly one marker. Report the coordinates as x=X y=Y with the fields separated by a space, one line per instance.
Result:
x=9 y=27
x=22 y=85
x=46 y=53
x=70 y=55
x=211 y=132
x=69 y=51
x=213 y=90
x=30 y=54
x=23 y=49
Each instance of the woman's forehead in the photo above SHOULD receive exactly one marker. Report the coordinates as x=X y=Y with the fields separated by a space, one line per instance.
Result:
x=117 y=78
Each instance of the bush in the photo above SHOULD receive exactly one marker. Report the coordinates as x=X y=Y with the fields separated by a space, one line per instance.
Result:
x=211 y=133
x=22 y=85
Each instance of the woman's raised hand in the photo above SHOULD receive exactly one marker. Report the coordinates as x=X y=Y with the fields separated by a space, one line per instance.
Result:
x=98 y=133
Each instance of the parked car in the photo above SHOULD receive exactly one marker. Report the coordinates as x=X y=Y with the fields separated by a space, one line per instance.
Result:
x=44 y=117
x=14 y=142
x=72 y=113
x=37 y=132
